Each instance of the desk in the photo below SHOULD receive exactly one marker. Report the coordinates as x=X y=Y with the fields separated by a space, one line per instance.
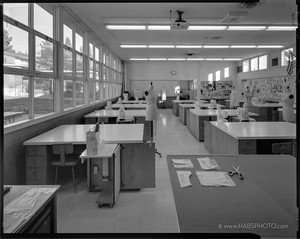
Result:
x=196 y=118
x=10 y=116
x=175 y=105
x=130 y=106
x=132 y=102
x=266 y=195
x=43 y=218
x=184 y=108
x=138 y=159
x=248 y=137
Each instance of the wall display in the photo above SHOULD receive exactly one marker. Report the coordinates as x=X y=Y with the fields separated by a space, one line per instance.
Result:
x=210 y=88
x=271 y=88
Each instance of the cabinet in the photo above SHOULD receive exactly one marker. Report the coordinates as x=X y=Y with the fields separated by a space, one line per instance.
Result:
x=37 y=165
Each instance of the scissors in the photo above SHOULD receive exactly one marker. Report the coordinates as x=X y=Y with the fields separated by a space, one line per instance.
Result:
x=236 y=171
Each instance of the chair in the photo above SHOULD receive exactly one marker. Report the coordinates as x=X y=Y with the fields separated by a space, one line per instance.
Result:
x=63 y=150
x=282 y=148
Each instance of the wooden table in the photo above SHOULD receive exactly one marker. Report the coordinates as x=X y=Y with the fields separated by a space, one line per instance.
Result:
x=195 y=120
x=43 y=218
x=266 y=197
x=130 y=106
x=175 y=105
x=138 y=159
x=184 y=108
x=247 y=137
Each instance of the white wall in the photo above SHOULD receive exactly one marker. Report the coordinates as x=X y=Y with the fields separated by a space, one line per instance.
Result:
x=159 y=72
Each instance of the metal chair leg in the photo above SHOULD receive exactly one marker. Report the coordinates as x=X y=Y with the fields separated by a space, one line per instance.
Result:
x=158 y=153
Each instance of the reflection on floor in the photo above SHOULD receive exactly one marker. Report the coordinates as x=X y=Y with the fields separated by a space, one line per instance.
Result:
x=144 y=211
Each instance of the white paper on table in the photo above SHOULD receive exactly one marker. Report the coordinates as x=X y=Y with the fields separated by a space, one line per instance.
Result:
x=207 y=164
x=184 y=178
x=182 y=163
x=212 y=178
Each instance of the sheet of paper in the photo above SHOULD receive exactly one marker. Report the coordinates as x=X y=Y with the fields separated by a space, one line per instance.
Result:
x=182 y=163
x=208 y=163
x=184 y=178
x=212 y=178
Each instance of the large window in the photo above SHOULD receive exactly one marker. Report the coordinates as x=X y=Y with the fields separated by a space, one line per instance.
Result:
x=68 y=63
x=43 y=96
x=68 y=94
x=210 y=77
x=43 y=55
x=68 y=36
x=226 y=72
x=79 y=43
x=285 y=55
x=263 y=62
x=17 y=11
x=79 y=66
x=246 y=66
x=254 y=64
x=43 y=21
x=218 y=75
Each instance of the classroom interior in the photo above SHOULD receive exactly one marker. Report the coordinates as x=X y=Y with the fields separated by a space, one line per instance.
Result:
x=70 y=68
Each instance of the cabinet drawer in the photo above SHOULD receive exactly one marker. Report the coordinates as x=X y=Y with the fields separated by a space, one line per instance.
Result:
x=36 y=173
x=36 y=150
x=35 y=162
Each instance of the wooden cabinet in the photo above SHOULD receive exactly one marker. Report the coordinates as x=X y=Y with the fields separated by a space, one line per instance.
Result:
x=37 y=165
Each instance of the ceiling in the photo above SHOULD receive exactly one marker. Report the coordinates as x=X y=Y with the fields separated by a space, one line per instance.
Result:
x=268 y=12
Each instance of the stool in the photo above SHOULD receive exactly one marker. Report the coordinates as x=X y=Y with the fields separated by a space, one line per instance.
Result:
x=126 y=120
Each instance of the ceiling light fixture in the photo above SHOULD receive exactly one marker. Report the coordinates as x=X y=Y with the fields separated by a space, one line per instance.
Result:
x=126 y=27
x=195 y=59
x=232 y=59
x=188 y=46
x=214 y=59
x=133 y=46
x=216 y=46
x=281 y=28
x=246 y=28
x=158 y=27
x=176 y=59
x=207 y=28
x=269 y=46
x=243 y=46
x=157 y=59
x=138 y=59
x=161 y=46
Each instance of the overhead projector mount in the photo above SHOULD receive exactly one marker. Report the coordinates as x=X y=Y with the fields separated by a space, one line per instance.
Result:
x=179 y=23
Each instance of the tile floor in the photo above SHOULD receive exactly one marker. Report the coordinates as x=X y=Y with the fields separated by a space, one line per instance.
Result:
x=145 y=211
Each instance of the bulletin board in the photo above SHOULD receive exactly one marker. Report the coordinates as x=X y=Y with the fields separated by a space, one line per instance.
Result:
x=158 y=86
x=272 y=87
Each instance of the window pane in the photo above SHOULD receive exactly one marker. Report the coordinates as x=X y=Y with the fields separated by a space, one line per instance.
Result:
x=97 y=71
x=285 y=56
x=43 y=21
x=254 y=64
x=263 y=61
x=15 y=90
x=226 y=72
x=92 y=90
x=101 y=90
x=96 y=54
x=43 y=55
x=79 y=92
x=68 y=94
x=246 y=66
x=43 y=96
x=17 y=11
x=68 y=63
x=15 y=46
x=68 y=36
x=91 y=68
x=91 y=52
x=98 y=93
x=210 y=77
x=79 y=43
x=79 y=66
x=218 y=75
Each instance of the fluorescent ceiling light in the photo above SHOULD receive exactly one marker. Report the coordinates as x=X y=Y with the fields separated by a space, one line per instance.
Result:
x=133 y=46
x=161 y=46
x=207 y=28
x=188 y=46
x=157 y=59
x=269 y=46
x=243 y=46
x=176 y=59
x=246 y=28
x=138 y=59
x=158 y=27
x=216 y=46
x=281 y=28
x=232 y=59
x=126 y=27
x=214 y=59
x=195 y=59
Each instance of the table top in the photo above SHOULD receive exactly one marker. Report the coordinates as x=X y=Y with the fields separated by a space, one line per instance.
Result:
x=203 y=105
x=132 y=102
x=129 y=105
x=258 y=130
x=275 y=105
x=40 y=195
x=76 y=134
x=183 y=101
x=115 y=113
x=212 y=112
x=266 y=195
